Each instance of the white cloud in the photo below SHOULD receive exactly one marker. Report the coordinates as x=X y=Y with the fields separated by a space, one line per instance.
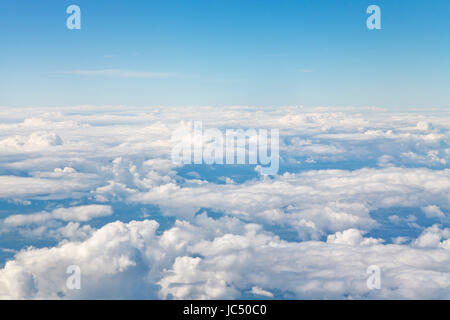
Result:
x=353 y=237
x=128 y=260
x=434 y=237
x=120 y=73
x=433 y=212
x=341 y=166
x=261 y=292
x=81 y=213
x=35 y=187
x=313 y=202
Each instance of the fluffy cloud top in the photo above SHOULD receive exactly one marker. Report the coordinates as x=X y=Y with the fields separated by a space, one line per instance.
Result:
x=223 y=259
x=310 y=232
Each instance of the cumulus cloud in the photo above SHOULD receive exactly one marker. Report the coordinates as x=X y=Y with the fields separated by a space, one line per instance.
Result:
x=434 y=237
x=433 y=212
x=313 y=203
x=221 y=259
x=352 y=237
x=36 y=141
x=338 y=205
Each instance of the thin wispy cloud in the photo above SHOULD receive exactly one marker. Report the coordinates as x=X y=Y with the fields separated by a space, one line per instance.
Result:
x=120 y=73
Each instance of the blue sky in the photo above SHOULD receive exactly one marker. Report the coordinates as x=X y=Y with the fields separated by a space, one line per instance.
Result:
x=224 y=53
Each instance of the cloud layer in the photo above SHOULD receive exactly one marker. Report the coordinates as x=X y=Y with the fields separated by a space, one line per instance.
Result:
x=95 y=187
